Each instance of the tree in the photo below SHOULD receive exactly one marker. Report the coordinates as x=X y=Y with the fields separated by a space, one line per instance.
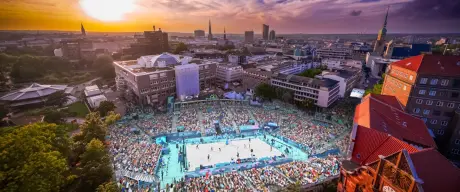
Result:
x=111 y=118
x=58 y=98
x=104 y=66
x=105 y=107
x=377 y=89
x=287 y=97
x=108 y=187
x=265 y=91
x=180 y=48
x=383 y=78
x=31 y=158
x=93 y=128
x=308 y=104
x=27 y=68
x=311 y=73
x=95 y=166
x=54 y=117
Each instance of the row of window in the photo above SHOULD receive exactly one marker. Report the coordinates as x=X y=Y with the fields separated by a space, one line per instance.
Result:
x=433 y=121
x=302 y=84
x=441 y=93
x=455 y=151
x=398 y=84
x=434 y=81
x=165 y=86
x=296 y=87
x=402 y=74
x=438 y=103
x=162 y=81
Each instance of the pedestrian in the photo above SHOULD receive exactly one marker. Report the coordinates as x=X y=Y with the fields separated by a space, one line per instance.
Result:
x=208 y=157
x=220 y=150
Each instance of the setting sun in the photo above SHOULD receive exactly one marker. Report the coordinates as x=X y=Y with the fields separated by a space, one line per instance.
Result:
x=107 y=10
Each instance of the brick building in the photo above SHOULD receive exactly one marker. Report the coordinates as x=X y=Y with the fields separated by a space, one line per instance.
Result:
x=392 y=151
x=428 y=87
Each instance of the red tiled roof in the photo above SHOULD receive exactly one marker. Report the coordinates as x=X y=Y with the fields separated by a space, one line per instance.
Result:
x=431 y=64
x=383 y=114
x=388 y=99
x=370 y=143
x=437 y=172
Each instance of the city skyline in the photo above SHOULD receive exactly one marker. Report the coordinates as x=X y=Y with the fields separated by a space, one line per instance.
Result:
x=287 y=16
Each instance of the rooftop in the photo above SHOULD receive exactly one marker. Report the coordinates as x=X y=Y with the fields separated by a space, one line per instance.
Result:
x=440 y=65
x=306 y=80
x=33 y=91
x=344 y=73
x=259 y=72
x=385 y=115
x=156 y=63
x=437 y=173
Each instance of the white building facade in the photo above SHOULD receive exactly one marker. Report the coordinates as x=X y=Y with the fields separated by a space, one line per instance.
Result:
x=323 y=92
x=187 y=81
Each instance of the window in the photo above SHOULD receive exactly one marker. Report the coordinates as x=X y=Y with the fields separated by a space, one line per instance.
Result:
x=448 y=114
x=444 y=123
x=445 y=82
x=416 y=110
x=419 y=101
x=457 y=141
x=456 y=83
x=424 y=119
x=439 y=103
x=450 y=105
x=434 y=121
x=442 y=93
x=455 y=151
x=423 y=80
x=426 y=111
x=404 y=88
x=434 y=81
x=432 y=93
x=440 y=132
x=436 y=113
x=429 y=102
x=454 y=95
x=411 y=77
x=421 y=92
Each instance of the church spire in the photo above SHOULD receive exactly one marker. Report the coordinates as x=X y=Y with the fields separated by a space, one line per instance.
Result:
x=83 y=31
x=209 y=31
x=225 y=34
x=386 y=18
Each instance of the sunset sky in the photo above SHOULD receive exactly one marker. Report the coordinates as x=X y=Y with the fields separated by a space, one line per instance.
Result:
x=285 y=16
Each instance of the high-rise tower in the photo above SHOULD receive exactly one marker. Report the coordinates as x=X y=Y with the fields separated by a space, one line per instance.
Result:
x=83 y=32
x=265 y=31
x=380 y=44
x=225 y=34
x=210 y=32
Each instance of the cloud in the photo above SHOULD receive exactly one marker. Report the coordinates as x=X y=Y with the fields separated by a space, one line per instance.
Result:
x=368 y=1
x=431 y=9
x=356 y=12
